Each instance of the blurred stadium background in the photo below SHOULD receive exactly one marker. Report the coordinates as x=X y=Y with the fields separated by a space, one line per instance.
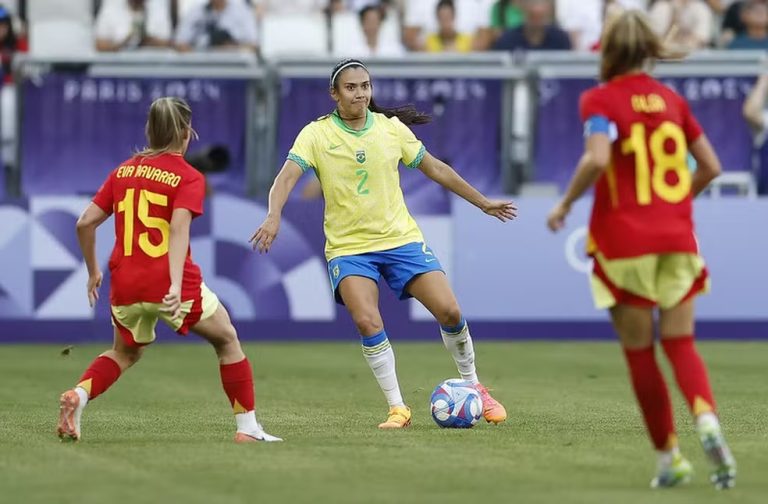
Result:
x=502 y=80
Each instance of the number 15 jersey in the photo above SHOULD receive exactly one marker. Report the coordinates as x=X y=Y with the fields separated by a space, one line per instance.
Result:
x=143 y=193
x=642 y=202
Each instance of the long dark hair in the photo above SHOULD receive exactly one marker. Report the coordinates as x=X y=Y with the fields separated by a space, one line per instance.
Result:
x=408 y=114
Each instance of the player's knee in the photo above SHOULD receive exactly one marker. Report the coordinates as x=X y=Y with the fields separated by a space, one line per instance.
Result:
x=449 y=316
x=368 y=323
x=228 y=335
x=130 y=355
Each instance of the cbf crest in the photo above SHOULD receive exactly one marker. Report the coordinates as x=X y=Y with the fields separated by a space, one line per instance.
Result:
x=360 y=156
x=336 y=271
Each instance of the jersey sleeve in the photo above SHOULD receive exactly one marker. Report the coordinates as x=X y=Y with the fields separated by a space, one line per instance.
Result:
x=595 y=115
x=105 y=198
x=303 y=151
x=411 y=149
x=190 y=195
x=691 y=126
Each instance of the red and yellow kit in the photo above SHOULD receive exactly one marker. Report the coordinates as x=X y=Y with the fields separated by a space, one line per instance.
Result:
x=143 y=193
x=643 y=203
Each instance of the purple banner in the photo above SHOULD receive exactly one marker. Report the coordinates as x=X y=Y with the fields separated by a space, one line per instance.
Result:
x=465 y=131
x=76 y=128
x=715 y=101
x=285 y=295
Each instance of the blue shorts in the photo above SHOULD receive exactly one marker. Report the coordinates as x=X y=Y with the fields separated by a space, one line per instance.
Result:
x=398 y=266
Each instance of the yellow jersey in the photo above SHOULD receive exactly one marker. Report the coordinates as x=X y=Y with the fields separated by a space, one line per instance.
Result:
x=358 y=170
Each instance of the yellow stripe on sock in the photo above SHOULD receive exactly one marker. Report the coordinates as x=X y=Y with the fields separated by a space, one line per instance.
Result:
x=86 y=385
x=376 y=349
x=238 y=408
x=701 y=406
x=671 y=442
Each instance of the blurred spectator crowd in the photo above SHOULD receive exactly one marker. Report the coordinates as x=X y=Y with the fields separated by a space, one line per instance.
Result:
x=362 y=28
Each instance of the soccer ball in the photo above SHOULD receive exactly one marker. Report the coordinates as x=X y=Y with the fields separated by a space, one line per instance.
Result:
x=456 y=404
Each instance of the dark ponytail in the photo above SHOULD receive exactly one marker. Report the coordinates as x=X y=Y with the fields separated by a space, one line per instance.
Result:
x=408 y=114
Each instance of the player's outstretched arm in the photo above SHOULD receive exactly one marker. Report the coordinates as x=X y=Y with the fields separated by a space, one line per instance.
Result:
x=448 y=178
x=282 y=186
x=594 y=161
x=707 y=164
x=91 y=218
x=178 y=245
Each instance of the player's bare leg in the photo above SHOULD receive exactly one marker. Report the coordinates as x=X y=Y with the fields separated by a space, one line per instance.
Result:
x=73 y=401
x=236 y=374
x=676 y=326
x=434 y=292
x=361 y=297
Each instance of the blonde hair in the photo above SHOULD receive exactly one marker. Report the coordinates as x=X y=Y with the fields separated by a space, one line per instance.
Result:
x=168 y=123
x=629 y=44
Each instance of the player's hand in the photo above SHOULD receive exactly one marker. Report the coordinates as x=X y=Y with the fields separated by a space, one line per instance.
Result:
x=94 y=282
x=264 y=236
x=172 y=302
x=556 y=217
x=502 y=210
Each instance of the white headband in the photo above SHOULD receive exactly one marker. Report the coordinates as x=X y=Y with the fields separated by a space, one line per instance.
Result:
x=346 y=65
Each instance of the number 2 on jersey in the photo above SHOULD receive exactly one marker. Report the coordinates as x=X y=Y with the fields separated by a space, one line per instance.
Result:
x=363 y=174
x=126 y=206
x=663 y=162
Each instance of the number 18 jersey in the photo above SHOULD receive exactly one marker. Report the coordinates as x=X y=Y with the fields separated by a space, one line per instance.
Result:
x=642 y=202
x=142 y=193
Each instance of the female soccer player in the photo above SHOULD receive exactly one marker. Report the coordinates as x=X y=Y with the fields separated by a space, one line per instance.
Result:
x=638 y=134
x=154 y=196
x=355 y=151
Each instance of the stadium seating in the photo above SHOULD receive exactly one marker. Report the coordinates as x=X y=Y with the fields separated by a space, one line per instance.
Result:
x=302 y=35
x=60 y=27
x=80 y=10
x=61 y=37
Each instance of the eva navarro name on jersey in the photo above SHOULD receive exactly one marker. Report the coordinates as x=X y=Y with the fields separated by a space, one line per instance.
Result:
x=150 y=173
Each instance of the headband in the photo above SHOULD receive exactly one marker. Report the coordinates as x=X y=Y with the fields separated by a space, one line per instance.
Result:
x=344 y=66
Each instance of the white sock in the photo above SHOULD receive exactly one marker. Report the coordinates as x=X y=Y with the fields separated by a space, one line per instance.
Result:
x=381 y=359
x=83 y=396
x=666 y=457
x=246 y=422
x=460 y=345
x=707 y=421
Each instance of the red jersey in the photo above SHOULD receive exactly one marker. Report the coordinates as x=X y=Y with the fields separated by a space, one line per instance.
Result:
x=643 y=201
x=143 y=192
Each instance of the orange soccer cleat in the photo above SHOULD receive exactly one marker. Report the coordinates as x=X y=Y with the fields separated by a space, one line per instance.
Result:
x=493 y=411
x=398 y=417
x=69 y=416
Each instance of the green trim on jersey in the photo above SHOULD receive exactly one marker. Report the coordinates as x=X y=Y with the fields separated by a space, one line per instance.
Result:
x=418 y=159
x=299 y=161
x=338 y=121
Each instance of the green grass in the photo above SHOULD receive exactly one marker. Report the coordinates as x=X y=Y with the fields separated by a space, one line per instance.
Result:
x=163 y=432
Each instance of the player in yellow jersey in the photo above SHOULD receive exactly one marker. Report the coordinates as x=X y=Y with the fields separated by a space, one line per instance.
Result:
x=355 y=152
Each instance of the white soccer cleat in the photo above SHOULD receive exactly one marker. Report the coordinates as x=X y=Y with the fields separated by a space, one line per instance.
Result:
x=712 y=440
x=242 y=437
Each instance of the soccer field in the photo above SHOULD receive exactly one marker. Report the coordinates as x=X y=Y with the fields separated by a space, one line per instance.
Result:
x=164 y=432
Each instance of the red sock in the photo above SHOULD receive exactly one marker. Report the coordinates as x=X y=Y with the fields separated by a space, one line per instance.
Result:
x=99 y=376
x=690 y=372
x=237 y=380
x=652 y=396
